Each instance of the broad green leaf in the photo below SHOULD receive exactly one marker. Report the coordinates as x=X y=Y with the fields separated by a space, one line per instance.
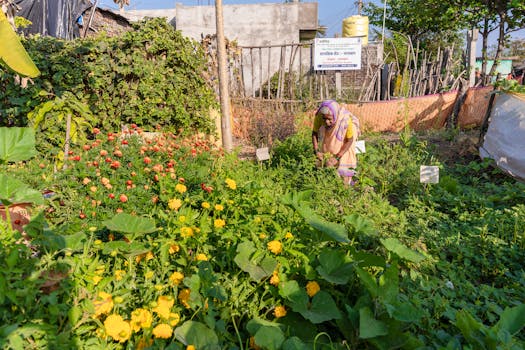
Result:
x=361 y=225
x=258 y=264
x=255 y=324
x=403 y=311
x=127 y=223
x=395 y=246
x=364 y=259
x=471 y=329
x=269 y=337
x=15 y=191
x=321 y=309
x=294 y=199
x=12 y=53
x=295 y=343
x=369 y=327
x=512 y=319
x=16 y=144
x=334 y=266
x=389 y=283
x=368 y=281
x=196 y=334
x=331 y=230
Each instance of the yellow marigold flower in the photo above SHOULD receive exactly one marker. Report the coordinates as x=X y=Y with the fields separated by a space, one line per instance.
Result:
x=174 y=319
x=201 y=257
x=174 y=248
x=205 y=205
x=274 y=280
x=97 y=242
x=140 y=319
x=288 y=235
x=103 y=304
x=231 y=184
x=144 y=343
x=219 y=207
x=174 y=204
x=149 y=256
x=218 y=223
x=253 y=345
x=159 y=287
x=119 y=300
x=117 y=328
x=176 y=278
x=275 y=247
x=149 y=275
x=184 y=297
x=119 y=275
x=182 y=218
x=96 y=279
x=190 y=347
x=186 y=232
x=312 y=287
x=279 y=311
x=180 y=188
x=164 y=305
x=262 y=235
x=163 y=331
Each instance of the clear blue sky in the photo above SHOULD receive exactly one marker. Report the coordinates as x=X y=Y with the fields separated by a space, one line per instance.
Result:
x=331 y=12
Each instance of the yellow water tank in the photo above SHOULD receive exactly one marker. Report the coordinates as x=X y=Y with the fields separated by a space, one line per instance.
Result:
x=356 y=26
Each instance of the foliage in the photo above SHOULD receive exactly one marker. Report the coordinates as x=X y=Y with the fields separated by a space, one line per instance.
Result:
x=168 y=243
x=12 y=52
x=150 y=76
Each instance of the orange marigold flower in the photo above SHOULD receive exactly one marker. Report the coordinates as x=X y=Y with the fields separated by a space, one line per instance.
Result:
x=219 y=223
x=275 y=247
x=117 y=328
x=180 y=188
x=274 y=280
x=163 y=331
x=184 y=297
x=176 y=278
x=186 y=232
x=174 y=248
x=164 y=305
x=312 y=288
x=231 y=184
x=103 y=304
x=140 y=319
x=201 y=257
x=279 y=311
x=174 y=204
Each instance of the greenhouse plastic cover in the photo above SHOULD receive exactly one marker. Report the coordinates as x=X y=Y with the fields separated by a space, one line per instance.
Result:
x=505 y=138
x=57 y=18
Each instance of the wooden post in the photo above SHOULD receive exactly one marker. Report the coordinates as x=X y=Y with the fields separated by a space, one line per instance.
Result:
x=227 y=141
x=338 y=83
x=472 y=38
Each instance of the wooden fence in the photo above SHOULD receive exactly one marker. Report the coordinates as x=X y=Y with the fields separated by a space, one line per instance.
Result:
x=284 y=74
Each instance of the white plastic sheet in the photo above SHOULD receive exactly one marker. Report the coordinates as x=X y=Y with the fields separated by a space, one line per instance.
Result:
x=505 y=138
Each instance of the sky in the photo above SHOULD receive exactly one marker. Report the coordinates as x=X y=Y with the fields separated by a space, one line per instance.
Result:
x=331 y=12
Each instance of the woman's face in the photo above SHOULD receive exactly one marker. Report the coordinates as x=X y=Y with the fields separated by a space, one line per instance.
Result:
x=328 y=119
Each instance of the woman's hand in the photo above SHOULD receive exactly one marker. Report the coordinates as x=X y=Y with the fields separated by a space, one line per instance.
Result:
x=332 y=161
x=319 y=155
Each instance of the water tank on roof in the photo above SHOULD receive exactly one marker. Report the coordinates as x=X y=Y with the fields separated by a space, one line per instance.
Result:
x=356 y=26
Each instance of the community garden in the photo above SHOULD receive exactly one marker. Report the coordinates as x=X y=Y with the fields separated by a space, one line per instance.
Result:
x=145 y=235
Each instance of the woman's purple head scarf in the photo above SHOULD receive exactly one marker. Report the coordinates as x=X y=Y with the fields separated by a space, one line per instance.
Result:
x=332 y=106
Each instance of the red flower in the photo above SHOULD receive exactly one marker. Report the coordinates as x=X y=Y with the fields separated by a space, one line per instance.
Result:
x=124 y=142
x=76 y=158
x=115 y=164
x=96 y=131
x=123 y=198
x=111 y=195
x=147 y=160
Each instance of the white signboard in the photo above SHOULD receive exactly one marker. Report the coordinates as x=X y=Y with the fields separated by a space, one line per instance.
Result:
x=337 y=53
x=429 y=174
x=360 y=147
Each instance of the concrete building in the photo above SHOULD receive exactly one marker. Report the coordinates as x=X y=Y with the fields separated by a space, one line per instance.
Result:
x=248 y=25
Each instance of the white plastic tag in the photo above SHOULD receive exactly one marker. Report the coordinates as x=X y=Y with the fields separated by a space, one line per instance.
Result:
x=360 y=147
x=262 y=154
x=429 y=174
